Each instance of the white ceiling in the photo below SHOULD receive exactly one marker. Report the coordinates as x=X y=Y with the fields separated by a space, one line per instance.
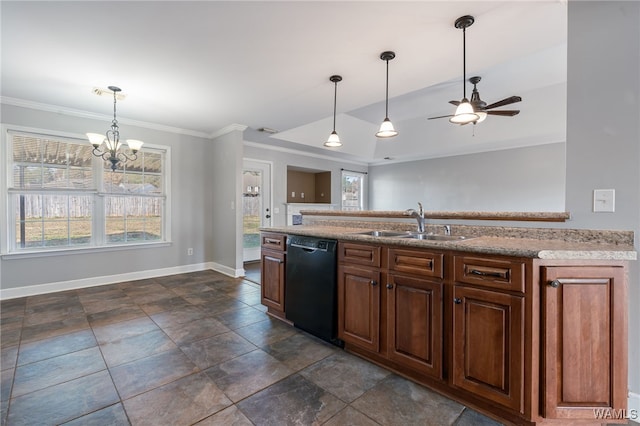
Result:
x=202 y=66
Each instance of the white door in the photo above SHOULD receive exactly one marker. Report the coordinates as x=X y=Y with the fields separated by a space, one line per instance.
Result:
x=256 y=205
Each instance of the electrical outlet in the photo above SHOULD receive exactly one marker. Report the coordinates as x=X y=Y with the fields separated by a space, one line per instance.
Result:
x=189 y=251
x=302 y=195
x=604 y=200
x=293 y=194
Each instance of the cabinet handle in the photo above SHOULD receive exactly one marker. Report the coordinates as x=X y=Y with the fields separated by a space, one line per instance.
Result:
x=271 y=241
x=373 y=283
x=457 y=300
x=554 y=284
x=504 y=275
x=389 y=286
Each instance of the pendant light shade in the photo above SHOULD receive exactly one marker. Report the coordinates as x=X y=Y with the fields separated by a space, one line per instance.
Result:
x=386 y=128
x=464 y=112
x=334 y=139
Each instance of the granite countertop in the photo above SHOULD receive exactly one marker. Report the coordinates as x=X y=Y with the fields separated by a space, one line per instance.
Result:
x=511 y=246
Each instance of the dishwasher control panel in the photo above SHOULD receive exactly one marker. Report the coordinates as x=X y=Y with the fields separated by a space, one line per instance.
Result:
x=311 y=243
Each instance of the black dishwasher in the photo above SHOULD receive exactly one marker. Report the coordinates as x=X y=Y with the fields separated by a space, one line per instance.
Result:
x=311 y=287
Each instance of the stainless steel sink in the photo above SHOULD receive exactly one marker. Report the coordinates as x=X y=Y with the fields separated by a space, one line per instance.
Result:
x=384 y=233
x=434 y=237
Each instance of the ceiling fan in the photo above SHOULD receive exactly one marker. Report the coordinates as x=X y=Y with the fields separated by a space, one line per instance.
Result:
x=481 y=108
x=476 y=110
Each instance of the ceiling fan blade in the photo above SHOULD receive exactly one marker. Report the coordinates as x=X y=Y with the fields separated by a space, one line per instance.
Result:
x=505 y=101
x=441 y=116
x=456 y=103
x=504 y=112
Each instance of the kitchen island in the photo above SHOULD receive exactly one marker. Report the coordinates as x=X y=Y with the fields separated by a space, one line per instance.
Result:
x=528 y=325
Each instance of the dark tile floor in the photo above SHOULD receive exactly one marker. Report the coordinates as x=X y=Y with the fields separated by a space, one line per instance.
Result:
x=188 y=349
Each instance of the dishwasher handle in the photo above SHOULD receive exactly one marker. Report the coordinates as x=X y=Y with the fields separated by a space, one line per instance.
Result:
x=305 y=248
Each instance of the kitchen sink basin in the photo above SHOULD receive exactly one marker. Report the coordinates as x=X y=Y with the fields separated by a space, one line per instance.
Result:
x=435 y=237
x=384 y=233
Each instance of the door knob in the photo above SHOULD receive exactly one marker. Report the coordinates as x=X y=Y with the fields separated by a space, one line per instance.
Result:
x=268 y=216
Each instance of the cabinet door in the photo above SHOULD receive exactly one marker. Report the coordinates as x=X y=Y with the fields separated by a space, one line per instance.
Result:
x=585 y=350
x=272 y=279
x=414 y=318
x=488 y=345
x=359 y=307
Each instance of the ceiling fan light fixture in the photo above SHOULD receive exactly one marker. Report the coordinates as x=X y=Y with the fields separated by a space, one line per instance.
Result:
x=386 y=129
x=464 y=113
x=481 y=116
x=334 y=141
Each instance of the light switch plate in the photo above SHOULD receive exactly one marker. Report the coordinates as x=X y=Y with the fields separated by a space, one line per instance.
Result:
x=604 y=200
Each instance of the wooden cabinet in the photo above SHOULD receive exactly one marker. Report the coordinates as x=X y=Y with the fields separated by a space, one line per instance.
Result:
x=414 y=323
x=272 y=272
x=390 y=304
x=530 y=341
x=488 y=345
x=488 y=328
x=584 y=346
x=359 y=306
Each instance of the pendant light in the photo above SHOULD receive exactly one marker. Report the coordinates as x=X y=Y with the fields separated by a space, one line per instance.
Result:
x=386 y=128
x=108 y=145
x=334 y=140
x=464 y=112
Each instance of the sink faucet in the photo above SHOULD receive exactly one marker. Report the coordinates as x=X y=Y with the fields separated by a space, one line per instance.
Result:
x=419 y=215
x=447 y=230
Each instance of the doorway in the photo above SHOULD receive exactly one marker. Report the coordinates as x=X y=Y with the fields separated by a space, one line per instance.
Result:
x=256 y=206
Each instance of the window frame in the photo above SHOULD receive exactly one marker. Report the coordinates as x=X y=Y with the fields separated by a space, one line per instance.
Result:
x=99 y=241
x=362 y=176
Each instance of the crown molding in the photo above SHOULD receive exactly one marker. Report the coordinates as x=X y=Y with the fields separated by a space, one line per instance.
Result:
x=228 y=129
x=84 y=114
x=304 y=153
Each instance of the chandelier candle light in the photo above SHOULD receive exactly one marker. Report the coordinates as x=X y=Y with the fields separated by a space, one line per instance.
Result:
x=111 y=140
x=334 y=140
x=386 y=128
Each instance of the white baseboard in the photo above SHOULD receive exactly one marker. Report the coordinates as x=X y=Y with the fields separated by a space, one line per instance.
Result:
x=235 y=273
x=32 y=290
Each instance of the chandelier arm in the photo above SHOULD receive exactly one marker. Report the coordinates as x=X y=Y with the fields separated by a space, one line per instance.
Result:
x=124 y=157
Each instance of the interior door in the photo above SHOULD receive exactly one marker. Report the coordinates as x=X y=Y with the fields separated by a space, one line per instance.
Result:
x=256 y=205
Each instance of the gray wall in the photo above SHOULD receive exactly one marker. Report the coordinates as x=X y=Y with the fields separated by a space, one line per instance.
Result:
x=603 y=130
x=224 y=183
x=188 y=188
x=283 y=158
x=520 y=179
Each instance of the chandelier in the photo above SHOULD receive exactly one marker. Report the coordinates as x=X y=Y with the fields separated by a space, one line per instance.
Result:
x=108 y=146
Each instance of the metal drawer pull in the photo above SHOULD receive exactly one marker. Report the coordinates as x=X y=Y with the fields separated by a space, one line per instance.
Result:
x=457 y=300
x=389 y=286
x=555 y=283
x=271 y=241
x=373 y=283
x=504 y=275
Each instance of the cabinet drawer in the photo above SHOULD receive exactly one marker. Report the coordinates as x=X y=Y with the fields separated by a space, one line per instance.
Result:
x=360 y=254
x=273 y=241
x=494 y=273
x=416 y=262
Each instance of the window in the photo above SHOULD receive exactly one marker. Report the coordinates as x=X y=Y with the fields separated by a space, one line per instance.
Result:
x=61 y=196
x=352 y=190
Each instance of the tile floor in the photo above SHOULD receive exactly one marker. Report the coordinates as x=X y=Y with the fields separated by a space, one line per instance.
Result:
x=189 y=349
